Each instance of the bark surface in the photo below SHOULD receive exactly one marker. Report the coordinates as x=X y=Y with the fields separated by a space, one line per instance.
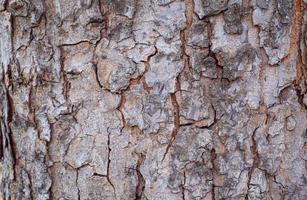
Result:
x=153 y=99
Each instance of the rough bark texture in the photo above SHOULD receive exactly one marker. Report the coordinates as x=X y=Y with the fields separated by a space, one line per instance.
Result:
x=153 y=99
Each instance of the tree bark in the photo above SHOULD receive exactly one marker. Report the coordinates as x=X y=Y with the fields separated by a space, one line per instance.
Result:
x=153 y=99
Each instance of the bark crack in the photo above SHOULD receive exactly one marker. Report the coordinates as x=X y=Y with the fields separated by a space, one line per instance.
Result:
x=176 y=123
x=140 y=187
x=77 y=179
x=189 y=13
x=109 y=161
x=296 y=34
x=66 y=84
x=182 y=186
x=255 y=160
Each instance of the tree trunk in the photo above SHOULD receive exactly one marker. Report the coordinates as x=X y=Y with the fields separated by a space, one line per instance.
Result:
x=153 y=99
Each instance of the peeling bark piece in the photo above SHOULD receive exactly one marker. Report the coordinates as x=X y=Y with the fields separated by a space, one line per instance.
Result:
x=30 y=152
x=37 y=10
x=18 y=8
x=230 y=43
x=197 y=35
x=189 y=163
x=284 y=8
x=170 y=19
x=82 y=88
x=181 y=155
x=263 y=4
x=120 y=29
x=80 y=151
x=126 y=7
x=232 y=17
x=141 y=52
x=273 y=26
x=205 y=8
x=145 y=32
x=5 y=39
x=235 y=66
x=124 y=173
x=94 y=186
x=43 y=53
x=2 y=4
x=195 y=186
x=22 y=32
x=290 y=123
x=42 y=180
x=119 y=78
x=43 y=127
x=77 y=57
x=195 y=107
x=63 y=132
x=114 y=70
x=134 y=105
x=64 y=182
x=144 y=110
x=168 y=47
x=277 y=78
x=25 y=185
x=209 y=68
x=163 y=81
x=203 y=65
x=100 y=154
x=305 y=100
x=99 y=122
x=163 y=2
x=74 y=22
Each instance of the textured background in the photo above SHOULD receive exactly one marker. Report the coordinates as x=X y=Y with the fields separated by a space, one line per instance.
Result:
x=153 y=99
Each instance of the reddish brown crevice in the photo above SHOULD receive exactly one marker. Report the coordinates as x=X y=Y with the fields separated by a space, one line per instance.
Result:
x=121 y=106
x=66 y=83
x=189 y=13
x=176 y=113
x=204 y=122
x=105 y=13
x=184 y=56
x=147 y=66
x=255 y=160
x=296 y=34
x=141 y=78
x=213 y=54
x=96 y=75
x=295 y=51
x=140 y=187
x=104 y=17
x=176 y=123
